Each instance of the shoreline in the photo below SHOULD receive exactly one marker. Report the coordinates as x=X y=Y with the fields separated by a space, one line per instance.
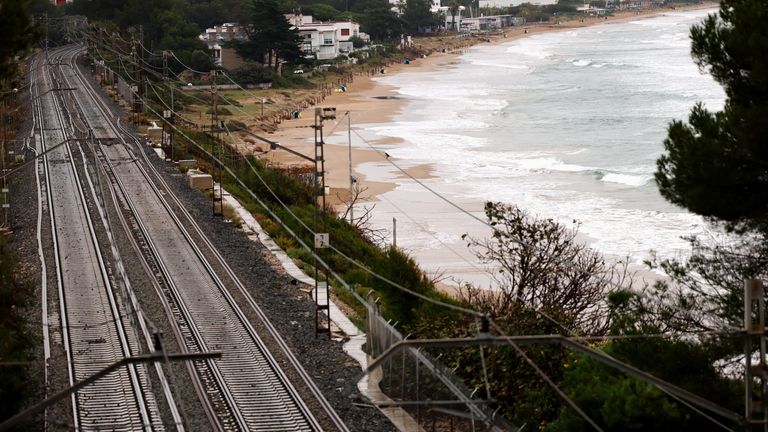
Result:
x=372 y=103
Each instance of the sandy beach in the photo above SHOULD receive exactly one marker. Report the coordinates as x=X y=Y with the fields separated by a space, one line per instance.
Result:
x=369 y=102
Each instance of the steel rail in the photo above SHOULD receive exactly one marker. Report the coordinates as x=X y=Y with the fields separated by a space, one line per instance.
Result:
x=125 y=346
x=316 y=392
x=256 y=415
x=72 y=304
x=140 y=319
x=187 y=334
x=151 y=268
x=222 y=289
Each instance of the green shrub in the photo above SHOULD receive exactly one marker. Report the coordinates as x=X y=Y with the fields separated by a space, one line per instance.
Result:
x=252 y=73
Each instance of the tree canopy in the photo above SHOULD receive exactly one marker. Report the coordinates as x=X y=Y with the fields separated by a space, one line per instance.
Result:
x=164 y=25
x=418 y=15
x=378 y=20
x=716 y=165
x=270 y=37
x=17 y=34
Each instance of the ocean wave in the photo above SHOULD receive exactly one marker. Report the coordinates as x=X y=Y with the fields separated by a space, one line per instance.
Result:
x=520 y=67
x=550 y=164
x=623 y=178
x=582 y=63
x=626 y=179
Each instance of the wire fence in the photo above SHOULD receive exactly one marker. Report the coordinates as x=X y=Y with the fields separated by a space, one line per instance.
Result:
x=418 y=383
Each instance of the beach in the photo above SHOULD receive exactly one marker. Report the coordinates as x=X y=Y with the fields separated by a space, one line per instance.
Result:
x=372 y=104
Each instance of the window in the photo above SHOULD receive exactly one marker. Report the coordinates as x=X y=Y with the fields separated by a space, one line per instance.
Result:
x=345 y=32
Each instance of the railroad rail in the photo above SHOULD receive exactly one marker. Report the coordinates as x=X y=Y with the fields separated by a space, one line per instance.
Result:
x=94 y=328
x=246 y=389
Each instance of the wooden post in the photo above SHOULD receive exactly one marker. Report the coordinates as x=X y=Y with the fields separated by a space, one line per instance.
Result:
x=394 y=232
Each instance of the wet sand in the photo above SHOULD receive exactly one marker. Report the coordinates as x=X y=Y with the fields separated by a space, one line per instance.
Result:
x=369 y=102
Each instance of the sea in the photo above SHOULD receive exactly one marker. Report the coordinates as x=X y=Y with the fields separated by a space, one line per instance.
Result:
x=566 y=125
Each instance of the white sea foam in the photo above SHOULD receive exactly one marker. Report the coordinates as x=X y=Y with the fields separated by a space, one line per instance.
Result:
x=550 y=164
x=528 y=122
x=626 y=179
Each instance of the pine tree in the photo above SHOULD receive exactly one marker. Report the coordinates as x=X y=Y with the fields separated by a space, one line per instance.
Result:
x=17 y=34
x=716 y=165
x=271 y=37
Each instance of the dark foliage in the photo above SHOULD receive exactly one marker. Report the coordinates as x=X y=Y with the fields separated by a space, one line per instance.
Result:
x=270 y=37
x=17 y=35
x=252 y=73
x=617 y=401
x=716 y=165
x=15 y=342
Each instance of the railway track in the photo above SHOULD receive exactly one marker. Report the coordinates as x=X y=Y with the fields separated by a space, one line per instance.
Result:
x=94 y=328
x=246 y=389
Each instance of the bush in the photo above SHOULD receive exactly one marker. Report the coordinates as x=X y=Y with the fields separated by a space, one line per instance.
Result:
x=292 y=81
x=357 y=42
x=219 y=111
x=15 y=342
x=252 y=73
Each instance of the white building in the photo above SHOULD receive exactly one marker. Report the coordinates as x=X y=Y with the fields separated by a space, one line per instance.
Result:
x=512 y=3
x=325 y=40
x=320 y=40
x=491 y=22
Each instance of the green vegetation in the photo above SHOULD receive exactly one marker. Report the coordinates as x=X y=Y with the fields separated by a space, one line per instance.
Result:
x=18 y=35
x=295 y=191
x=549 y=283
x=16 y=344
x=271 y=39
x=377 y=19
x=418 y=16
x=716 y=165
x=620 y=402
x=159 y=25
x=658 y=330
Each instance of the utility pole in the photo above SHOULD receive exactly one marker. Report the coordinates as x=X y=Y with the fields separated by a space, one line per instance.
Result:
x=140 y=69
x=394 y=232
x=4 y=185
x=170 y=115
x=351 y=174
x=756 y=370
x=134 y=60
x=217 y=150
x=322 y=239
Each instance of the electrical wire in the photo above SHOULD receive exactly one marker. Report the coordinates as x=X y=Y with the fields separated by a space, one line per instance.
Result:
x=361 y=266
x=531 y=363
x=598 y=277
x=546 y=378
x=173 y=54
